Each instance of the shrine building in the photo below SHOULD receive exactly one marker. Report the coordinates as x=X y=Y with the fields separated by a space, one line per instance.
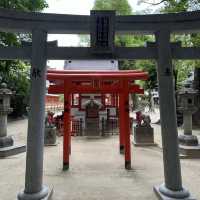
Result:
x=105 y=105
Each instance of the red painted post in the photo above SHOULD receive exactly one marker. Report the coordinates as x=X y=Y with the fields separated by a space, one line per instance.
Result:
x=66 y=135
x=121 y=123
x=70 y=124
x=127 y=142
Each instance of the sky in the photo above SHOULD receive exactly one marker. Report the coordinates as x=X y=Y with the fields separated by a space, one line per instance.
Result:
x=78 y=7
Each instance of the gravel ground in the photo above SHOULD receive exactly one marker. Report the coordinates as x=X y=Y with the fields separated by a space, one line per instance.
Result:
x=96 y=170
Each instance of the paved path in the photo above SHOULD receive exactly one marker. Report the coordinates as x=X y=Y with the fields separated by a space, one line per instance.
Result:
x=96 y=170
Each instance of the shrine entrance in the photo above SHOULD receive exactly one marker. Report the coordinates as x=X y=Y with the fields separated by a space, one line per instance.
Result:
x=116 y=82
x=102 y=27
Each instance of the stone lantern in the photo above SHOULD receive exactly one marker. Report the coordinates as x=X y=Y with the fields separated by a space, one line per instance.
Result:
x=7 y=147
x=188 y=104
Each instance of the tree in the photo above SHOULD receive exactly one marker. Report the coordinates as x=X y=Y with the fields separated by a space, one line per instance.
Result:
x=14 y=72
x=24 y=5
x=192 y=39
x=122 y=7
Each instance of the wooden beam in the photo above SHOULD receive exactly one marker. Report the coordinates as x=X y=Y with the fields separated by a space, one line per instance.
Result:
x=115 y=75
x=59 y=89
x=90 y=71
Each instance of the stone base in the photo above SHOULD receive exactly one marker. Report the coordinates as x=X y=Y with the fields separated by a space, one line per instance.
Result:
x=92 y=132
x=188 y=140
x=143 y=144
x=50 y=145
x=189 y=151
x=48 y=195
x=92 y=127
x=6 y=141
x=143 y=136
x=50 y=136
x=12 y=150
x=161 y=196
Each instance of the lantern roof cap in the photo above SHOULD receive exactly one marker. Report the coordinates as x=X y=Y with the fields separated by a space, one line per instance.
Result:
x=188 y=91
x=4 y=90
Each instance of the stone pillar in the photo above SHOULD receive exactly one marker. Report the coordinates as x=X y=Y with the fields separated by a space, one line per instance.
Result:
x=172 y=187
x=187 y=123
x=34 y=188
x=3 y=125
x=187 y=139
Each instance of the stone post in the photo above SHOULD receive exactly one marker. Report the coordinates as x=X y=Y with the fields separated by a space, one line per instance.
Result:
x=187 y=123
x=172 y=187
x=34 y=188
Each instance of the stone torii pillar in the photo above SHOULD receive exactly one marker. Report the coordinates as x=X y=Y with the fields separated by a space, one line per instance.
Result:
x=34 y=188
x=172 y=187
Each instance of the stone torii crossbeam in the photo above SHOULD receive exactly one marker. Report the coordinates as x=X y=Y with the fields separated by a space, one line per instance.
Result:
x=102 y=26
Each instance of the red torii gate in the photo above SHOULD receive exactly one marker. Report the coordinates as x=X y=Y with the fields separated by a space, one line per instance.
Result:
x=117 y=82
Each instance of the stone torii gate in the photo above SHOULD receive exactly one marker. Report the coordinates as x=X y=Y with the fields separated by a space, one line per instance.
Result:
x=103 y=26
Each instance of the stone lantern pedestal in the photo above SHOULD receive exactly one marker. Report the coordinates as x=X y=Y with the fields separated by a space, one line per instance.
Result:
x=50 y=138
x=188 y=144
x=143 y=134
x=7 y=147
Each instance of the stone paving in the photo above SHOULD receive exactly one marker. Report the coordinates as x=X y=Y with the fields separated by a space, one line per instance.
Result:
x=96 y=170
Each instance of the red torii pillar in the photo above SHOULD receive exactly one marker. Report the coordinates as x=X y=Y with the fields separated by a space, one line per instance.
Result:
x=67 y=128
x=121 y=123
x=125 y=145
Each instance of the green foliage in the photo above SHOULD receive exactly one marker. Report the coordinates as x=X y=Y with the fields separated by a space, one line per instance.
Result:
x=24 y=5
x=150 y=67
x=15 y=72
x=122 y=7
x=180 y=5
x=19 y=83
x=182 y=68
x=175 y=6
